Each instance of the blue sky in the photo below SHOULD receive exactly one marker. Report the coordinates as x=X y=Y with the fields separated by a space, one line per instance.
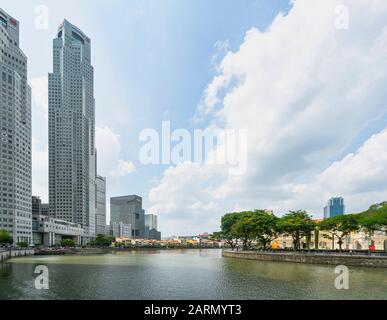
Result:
x=154 y=60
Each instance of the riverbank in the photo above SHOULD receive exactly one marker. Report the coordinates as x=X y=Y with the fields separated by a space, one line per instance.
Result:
x=7 y=254
x=306 y=258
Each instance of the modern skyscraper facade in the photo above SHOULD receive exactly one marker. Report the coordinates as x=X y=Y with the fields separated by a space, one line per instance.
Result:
x=335 y=207
x=150 y=224
x=36 y=205
x=121 y=230
x=100 y=213
x=151 y=221
x=15 y=134
x=128 y=210
x=72 y=154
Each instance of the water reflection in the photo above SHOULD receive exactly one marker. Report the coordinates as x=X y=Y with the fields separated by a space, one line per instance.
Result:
x=181 y=274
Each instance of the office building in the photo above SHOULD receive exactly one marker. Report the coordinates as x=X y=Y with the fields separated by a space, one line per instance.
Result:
x=150 y=223
x=15 y=134
x=72 y=154
x=108 y=230
x=45 y=209
x=38 y=207
x=121 y=230
x=128 y=210
x=151 y=227
x=100 y=211
x=48 y=231
x=154 y=234
x=335 y=207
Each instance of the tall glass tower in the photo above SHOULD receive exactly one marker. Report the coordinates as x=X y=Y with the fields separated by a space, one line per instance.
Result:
x=335 y=207
x=72 y=154
x=15 y=134
x=128 y=210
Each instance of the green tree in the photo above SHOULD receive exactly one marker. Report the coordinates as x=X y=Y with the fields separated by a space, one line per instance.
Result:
x=374 y=219
x=22 y=244
x=67 y=243
x=265 y=226
x=102 y=241
x=5 y=238
x=339 y=227
x=245 y=229
x=297 y=224
x=226 y=234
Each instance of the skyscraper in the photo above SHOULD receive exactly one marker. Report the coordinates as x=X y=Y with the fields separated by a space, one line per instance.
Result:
x=335 y=207
x=128 y=210
x=72 y=155
x=100 y=214
x=150 y=223
x=15 y=134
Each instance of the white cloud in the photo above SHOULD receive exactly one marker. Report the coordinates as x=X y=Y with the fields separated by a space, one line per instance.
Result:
x=304 y=90
x=359 y=177
x=109 y=154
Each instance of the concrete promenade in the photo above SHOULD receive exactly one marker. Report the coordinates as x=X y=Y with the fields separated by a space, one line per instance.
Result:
x=10 y=253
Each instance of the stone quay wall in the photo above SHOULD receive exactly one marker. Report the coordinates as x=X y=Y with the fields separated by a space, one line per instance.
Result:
x=7 y=254
x=328 y=259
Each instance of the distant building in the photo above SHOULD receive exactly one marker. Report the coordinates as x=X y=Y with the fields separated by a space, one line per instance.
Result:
x=150 y=223
x=121 y=230
x=129 y=211
x=204 y=235
x=335 y=207
x=100 y=210
x=108 y=230
x=45 y=209
x=153 y=234
x=38 y=207
x=48 y=231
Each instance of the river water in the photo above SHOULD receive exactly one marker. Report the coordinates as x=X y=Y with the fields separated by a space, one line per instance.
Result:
x=182 y=274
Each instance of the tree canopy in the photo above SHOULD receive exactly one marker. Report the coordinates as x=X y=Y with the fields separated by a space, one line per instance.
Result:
x=262 y=227
x=67 y=243
x=375 y=218
x=339 y=227
x=102 y=241
x=297 y=224
x=5 y=238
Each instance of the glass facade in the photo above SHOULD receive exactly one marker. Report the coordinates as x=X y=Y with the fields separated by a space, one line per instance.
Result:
x=335 y=207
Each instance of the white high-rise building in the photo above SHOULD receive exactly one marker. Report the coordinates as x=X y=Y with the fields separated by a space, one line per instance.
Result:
x=72 y=154
x=15 y=134
x=100 y=214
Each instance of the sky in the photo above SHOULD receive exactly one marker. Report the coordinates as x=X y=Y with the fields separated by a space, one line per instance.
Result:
x=305 y=79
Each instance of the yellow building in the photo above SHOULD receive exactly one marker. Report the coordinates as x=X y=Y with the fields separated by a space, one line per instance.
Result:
x=355 y=241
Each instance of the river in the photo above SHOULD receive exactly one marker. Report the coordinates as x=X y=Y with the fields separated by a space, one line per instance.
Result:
x=181 y=274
